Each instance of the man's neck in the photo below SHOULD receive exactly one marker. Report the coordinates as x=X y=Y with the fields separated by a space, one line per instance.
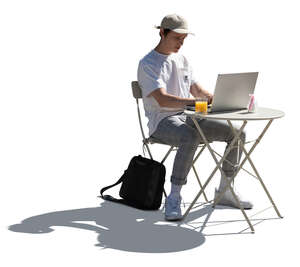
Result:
x=160 y=48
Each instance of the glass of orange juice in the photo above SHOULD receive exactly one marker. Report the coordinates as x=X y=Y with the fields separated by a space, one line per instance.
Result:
x=201 y=105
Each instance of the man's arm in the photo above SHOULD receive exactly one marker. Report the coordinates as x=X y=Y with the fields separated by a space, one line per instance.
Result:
x=198 y=92
x=171 y=101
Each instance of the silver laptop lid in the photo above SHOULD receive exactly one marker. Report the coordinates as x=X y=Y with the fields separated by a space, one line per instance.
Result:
x=232 y=91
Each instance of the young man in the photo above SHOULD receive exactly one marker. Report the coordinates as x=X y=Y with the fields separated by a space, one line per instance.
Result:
x=167 y=80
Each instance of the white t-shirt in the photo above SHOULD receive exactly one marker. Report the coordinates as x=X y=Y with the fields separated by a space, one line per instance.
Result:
x=171 y=72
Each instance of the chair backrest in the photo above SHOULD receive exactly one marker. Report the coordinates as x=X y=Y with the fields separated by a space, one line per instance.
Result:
x=137 y=94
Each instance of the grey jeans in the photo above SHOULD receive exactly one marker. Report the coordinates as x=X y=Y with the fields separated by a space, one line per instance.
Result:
x=180 y=131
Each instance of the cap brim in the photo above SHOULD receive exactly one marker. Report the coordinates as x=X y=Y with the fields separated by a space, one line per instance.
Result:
x=183 y=31
x=176 y=30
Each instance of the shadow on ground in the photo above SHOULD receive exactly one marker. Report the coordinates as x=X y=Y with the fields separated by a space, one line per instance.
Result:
x=121 y=227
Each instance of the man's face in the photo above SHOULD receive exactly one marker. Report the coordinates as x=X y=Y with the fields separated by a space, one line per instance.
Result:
x=174 y=41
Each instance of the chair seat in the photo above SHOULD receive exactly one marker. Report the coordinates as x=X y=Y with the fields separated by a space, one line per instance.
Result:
x=153 y=140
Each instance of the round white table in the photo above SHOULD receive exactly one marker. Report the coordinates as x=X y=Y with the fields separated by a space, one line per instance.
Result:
x=261 y=113
x=240 y=115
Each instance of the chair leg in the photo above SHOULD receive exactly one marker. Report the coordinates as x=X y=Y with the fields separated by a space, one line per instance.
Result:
x=148 y=149
x=196 y=174
x=167 y=154
x=163 y=160
x=199 y=182
x=194 y=161
x=165 y=194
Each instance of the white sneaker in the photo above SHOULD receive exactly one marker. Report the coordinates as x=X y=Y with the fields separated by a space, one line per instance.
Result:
x=172 y=209
x=229 y=200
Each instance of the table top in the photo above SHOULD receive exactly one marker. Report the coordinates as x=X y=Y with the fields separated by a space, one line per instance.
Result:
x=261 y=113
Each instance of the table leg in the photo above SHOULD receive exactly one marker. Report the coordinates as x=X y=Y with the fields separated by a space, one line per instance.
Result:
x=236 y=139
x=218 y=163
x=247 y=156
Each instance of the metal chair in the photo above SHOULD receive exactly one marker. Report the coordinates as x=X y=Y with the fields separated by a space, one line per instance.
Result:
x=137 y=94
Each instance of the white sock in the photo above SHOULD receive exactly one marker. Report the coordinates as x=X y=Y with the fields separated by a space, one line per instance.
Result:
x=223 y=182
x=175 y=190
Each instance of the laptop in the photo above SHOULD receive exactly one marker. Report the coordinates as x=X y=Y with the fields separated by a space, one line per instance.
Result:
x=232 y=91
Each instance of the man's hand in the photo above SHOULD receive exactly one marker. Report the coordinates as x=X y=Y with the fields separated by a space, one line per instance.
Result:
x=198 y=92
x=210 y=99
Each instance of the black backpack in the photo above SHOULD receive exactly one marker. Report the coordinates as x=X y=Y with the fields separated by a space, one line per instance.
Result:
x=142 y=184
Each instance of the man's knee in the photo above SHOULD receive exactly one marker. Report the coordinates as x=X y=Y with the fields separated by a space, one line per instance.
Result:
x=242 y=135
x=191 y=137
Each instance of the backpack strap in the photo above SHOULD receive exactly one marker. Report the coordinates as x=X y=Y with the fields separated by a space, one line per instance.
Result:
x=109 y=197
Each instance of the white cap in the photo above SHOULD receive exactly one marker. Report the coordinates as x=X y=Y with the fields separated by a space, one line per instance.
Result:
x=174 y=23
